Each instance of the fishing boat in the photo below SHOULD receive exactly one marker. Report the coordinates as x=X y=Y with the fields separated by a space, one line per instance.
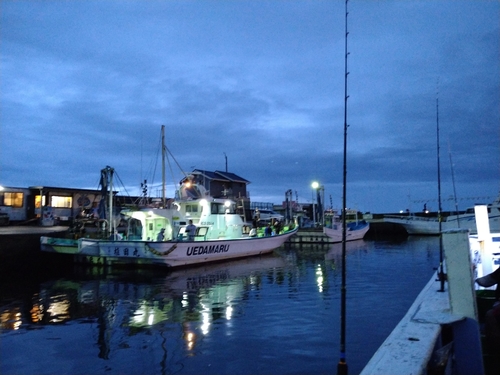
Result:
x=193 y=228
x=355 y=230
x=422 y=225
x=160 y=236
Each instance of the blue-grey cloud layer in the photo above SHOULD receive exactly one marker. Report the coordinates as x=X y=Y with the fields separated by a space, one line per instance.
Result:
x=87 y=84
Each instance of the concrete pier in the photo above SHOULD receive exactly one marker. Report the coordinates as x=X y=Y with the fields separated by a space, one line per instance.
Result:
x=20 y=246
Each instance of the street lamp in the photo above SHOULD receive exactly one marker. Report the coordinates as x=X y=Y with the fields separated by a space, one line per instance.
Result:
x=315 y=186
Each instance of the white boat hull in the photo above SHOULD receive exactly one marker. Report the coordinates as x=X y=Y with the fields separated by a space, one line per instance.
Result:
x=430 y=226
x=168 y=253
x=58 y=245
x=353 y=233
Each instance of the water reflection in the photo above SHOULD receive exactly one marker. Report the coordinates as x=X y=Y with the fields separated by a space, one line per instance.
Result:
x=281 y=308
x=138 y=300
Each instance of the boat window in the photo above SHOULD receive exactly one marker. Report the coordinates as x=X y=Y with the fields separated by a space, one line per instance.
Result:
x=134 y=229
x=202 y=231
x=192 y=208
x=220 y=208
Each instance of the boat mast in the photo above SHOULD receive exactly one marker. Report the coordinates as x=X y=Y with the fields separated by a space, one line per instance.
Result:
x=163 y=149
x=342 y=365
x=106 y=183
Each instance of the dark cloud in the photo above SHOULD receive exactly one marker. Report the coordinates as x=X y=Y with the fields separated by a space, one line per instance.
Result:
x=88 y=84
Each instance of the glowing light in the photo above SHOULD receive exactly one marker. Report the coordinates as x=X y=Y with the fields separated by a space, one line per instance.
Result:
x=206 y=323
x=315 y=185
x=185 y=302
x=151 y=319
x=229 y=312
x=190 y=338
x=59 y=311
x=205 y=318
x=139 y=315
x=319 y=278
x=36 y=313
x=11 y=319
x=227 y=203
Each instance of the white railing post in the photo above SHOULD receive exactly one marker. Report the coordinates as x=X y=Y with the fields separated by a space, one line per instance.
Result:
x=484 y=239
x=466 y=333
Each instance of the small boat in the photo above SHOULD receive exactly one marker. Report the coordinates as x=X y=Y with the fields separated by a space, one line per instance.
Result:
x=165 y=236
x=355 y=230
x=430 y=225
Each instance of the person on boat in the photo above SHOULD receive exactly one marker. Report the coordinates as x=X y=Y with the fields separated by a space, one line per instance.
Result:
x=116 y=236
x=277 y=226
x=255 y=222
x=492 y=316
x=257 y=214
x=191 y=230
x=268 y=231
x=161 y=235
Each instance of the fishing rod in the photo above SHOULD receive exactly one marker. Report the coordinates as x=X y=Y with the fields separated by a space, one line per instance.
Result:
x=441 y=274
x=342 y=365
x=454 y=189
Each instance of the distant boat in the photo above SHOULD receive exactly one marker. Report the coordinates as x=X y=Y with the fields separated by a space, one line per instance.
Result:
x=430 y=225
x=355 y=230
x=268 y=215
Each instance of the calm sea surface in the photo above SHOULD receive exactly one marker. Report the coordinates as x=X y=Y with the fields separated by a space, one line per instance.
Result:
x=276 y=314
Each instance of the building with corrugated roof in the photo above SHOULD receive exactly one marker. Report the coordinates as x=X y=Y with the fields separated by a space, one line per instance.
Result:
x=221 y=184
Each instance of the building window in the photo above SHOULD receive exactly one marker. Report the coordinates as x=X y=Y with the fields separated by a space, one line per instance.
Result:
x=13 y=199
x=37 y=202
x=61 y=202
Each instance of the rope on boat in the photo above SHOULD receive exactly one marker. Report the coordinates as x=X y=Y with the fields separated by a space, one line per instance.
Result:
x=156 y=252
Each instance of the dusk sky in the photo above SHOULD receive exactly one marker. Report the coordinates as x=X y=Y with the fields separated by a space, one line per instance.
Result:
x=87 y=84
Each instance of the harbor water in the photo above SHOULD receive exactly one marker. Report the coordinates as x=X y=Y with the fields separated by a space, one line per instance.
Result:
x=273 y=314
